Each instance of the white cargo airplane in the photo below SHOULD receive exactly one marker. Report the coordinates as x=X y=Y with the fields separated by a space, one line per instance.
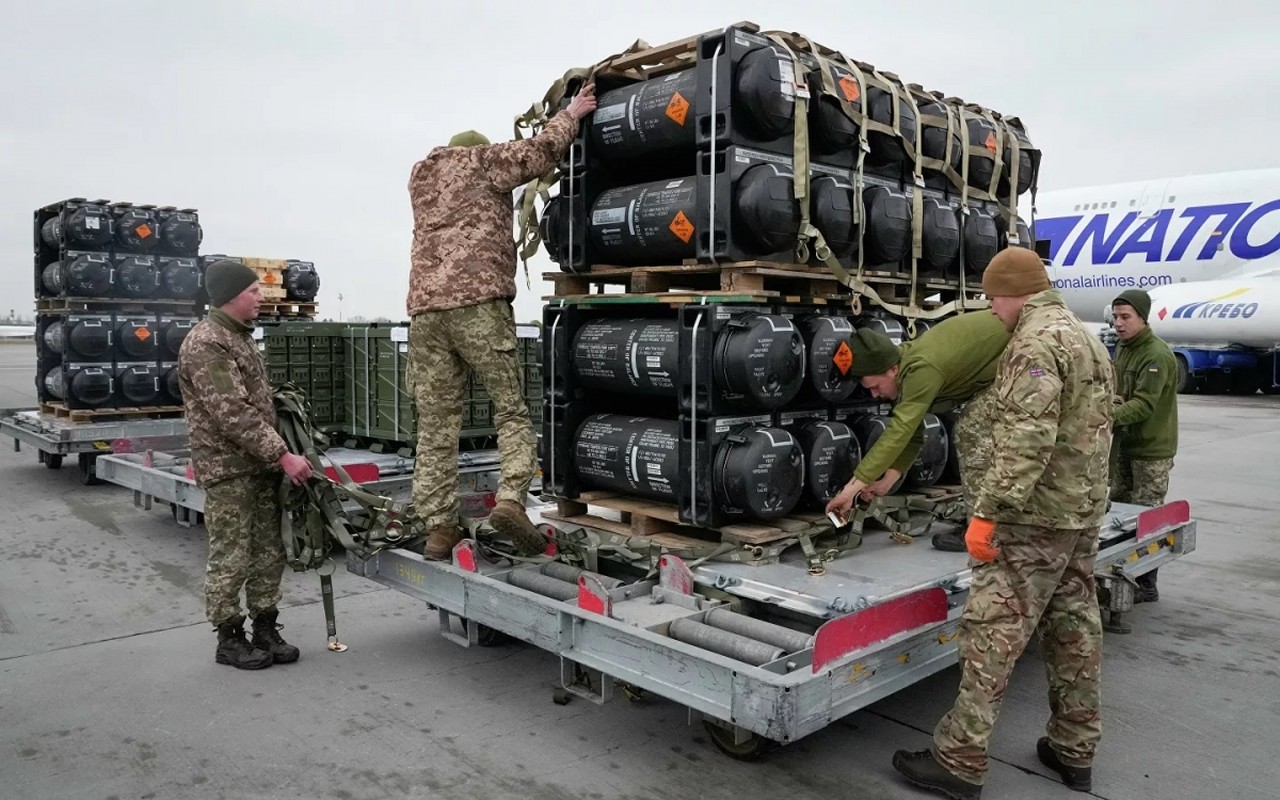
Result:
x=1207 y=250
x=16 y=331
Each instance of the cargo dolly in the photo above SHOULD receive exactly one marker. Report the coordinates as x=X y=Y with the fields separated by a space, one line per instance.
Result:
x=762 y=655
x=54 y=438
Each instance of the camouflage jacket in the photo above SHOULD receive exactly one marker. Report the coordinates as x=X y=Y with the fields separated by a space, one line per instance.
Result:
x=230 y=416
x=463 y=250
x=1053 y=423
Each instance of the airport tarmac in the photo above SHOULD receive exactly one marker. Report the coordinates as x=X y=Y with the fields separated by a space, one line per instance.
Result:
x=109 y=690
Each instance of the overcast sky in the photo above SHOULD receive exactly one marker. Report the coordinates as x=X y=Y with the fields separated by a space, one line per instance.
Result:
x=292 y=126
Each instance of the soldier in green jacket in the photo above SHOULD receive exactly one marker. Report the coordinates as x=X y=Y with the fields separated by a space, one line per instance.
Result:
x=1145 y=415
x=953 y=363
x=1034 y=538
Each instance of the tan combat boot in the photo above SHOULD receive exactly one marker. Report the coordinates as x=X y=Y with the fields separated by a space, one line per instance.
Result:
x=510 y=521
x=441 y=541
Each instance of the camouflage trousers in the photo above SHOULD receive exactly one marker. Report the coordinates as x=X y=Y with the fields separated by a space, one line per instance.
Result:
x=443 y=347
x=1140 y=481
x=242 y=516
x=1041 y=582
x=974 y=442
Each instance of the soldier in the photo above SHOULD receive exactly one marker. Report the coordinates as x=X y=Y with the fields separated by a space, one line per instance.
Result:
x=461 y=286
x=1034 y=536
x=1146 y=415
x=952 y=363
x=237 y=456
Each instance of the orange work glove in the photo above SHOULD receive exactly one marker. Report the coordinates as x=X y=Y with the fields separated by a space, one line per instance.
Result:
x=979 y=539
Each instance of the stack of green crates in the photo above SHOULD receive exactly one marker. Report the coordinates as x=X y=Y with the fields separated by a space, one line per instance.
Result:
x=310 y=356
x=354 y=375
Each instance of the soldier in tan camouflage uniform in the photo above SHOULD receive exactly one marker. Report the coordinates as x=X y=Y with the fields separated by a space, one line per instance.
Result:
x=237 y=456
x=461 y=286
x=1034 y=535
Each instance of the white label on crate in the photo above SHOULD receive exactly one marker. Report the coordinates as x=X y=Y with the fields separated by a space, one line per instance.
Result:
x=399 y=334
x=404 y=348
x=257 y=333
x=527 y=331
x=609 y=216
x=610 y=113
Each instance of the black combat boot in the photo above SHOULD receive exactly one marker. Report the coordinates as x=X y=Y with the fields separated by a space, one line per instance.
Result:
x=951 y=541
x=235 y=650
x=1146 y=591
x=923 y=770
x=1077 y=778
x=266 y=636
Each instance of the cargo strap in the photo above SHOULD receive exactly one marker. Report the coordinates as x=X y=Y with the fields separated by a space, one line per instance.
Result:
x=534 y=120
x=809 y=233
x=312 y=518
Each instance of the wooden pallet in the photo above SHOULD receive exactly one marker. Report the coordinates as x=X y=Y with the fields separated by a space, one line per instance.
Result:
x=286 y=309
x=661 y=521
x=760 y=278
x=64 y=305
x=80 y=415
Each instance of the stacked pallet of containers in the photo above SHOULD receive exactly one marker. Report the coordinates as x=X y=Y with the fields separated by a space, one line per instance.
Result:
x=690 y=158
x=116 y=288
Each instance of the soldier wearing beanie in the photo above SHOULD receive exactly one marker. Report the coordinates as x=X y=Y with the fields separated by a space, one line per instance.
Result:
x=237 y=457
x=1033 y=538
x=1145 y=415
x=951 y=365
x=461 y=285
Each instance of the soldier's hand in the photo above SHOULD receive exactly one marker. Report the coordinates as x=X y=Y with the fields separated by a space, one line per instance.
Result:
x=296 y=467
x=979 y=539
x=843 y=502
x=883 y=486
x=1117 y=399
x=584 y=102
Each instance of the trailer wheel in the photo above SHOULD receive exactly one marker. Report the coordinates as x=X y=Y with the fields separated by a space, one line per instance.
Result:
x=87 y=475
x=488 y=637
x=751 y=750
x=51 y=460
x=1186 y=383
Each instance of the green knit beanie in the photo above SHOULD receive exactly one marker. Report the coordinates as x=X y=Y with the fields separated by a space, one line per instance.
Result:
x=1140 y=300
x=225 y=279
x=873 y=353
x=468 y=139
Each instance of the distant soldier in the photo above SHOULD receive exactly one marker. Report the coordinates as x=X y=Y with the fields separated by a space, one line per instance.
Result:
x=953 y=363
x=237 y=456
x=1145 y=415
x=461 y=286
x=1034 y=534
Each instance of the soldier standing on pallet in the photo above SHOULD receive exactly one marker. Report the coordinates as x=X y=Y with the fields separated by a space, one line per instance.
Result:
x=461 y=286
x=1146 y=415
x=952 y=363
x=1034 y=536
x=237 y=456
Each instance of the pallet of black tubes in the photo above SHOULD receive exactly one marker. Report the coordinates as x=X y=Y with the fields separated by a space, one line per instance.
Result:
x=117 y=288
x=737 y=206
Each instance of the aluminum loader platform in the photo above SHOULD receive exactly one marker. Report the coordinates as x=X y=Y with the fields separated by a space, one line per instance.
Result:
x=54 y=438
x=763 y=655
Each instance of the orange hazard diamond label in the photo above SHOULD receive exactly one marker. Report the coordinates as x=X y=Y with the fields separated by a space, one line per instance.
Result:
x=682 y=227
x=849 y=85
x=270 y=278
x=990 y=143
x=843 y=358
x=143 y=334
x=678 y=108
x=143 y=231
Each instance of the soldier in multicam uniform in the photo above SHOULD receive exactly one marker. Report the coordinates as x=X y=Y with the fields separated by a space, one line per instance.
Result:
x=1145 y=415
x=237 y=456
x=953 y=363
x=461 y=286
x=1034 y=536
